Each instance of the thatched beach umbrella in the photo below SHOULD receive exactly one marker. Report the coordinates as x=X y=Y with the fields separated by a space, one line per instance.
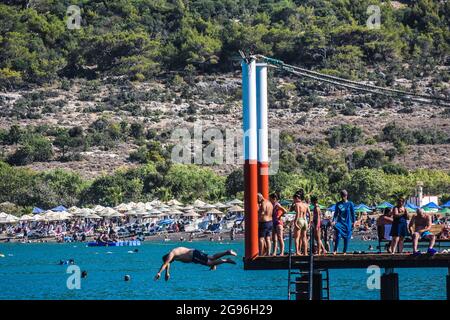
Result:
x=236 y=202
x=220 y=205
x=235 y=209
x=215 y=211
x=26 y=217
x=191 y=214
x=122 y=207
x=199 y=204
x=174 y=202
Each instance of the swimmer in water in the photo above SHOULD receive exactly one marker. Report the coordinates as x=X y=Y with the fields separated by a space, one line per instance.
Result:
x=187 y=255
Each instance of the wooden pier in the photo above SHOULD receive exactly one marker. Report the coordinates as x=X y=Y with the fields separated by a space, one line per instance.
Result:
x=351 y=261
x=389 y=280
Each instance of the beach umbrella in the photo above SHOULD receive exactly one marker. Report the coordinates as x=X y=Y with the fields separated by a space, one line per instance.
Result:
x=235 y=208
x=122 y=207
x=174 y=202
x=431 y=205
x=447 y=204
x=155 y=203
x=187 y=208
x=175 y=212
x=26 y=217
x=137 y=212
x=236 y=202
x=116 y=214
x=154 y=211
x=191 y=214
x=332 y=208
x=362 y=205
x=215 y=211
x=98 y=208
x=208 y=206
x=445 y=211
x=220 y=205
x=161 y=215
x=199 y=204
x=311 y=206
x=106 y=212
x=428 y=209
x=285 y=202
x=3 y=215
x=93 y=216
x=164 y=209
x=37 y=210
x=59 y=209
x=362 y=210
x=384 y=205
x=82 y=212
x=38 y=217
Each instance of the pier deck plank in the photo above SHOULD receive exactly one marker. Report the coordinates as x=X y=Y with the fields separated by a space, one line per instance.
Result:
x=351 y=261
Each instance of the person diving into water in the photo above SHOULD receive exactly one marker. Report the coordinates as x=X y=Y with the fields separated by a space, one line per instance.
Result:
x=187 y=255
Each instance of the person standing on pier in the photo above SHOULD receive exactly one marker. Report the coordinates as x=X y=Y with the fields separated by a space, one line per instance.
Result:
x=316 y=222
x=265 y=225
x=399 y=228
x=301 y=210
x=420 y=226
x=278 y=212
x=344 y=221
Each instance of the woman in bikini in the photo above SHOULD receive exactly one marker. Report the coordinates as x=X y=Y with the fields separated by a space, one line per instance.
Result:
x=277 y=234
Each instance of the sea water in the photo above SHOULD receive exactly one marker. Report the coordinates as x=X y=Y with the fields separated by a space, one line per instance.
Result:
x=31 y=271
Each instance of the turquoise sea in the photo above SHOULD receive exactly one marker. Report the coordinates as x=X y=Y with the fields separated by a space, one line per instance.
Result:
x=31 y=271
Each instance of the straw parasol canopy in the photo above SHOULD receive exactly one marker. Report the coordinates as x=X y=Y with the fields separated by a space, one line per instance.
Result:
x=220 y=205
x=8 y=218
x=137 y=212
x=154 y=212
x=199 y=204
x=235 y=209
x=93 y=216
x=187 y=208
x=122 y=207
x=38 y=217
x=215 y=211
x=26 y=217
x=208 y=206
x=191 y=214
x=175 y=212
x=174 y=202
x=83 y=212
x=236 y=202
x=98 y=208
x=106 y=212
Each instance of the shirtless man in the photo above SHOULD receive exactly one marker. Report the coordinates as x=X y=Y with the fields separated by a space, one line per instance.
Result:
x=301 y=209
x=187 y=255
x=265 y=225
x=421 y=230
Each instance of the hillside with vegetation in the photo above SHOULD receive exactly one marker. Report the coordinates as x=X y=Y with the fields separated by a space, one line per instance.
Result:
x=86 y=114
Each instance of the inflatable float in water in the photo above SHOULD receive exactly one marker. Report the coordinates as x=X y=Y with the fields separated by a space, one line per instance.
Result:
x=129 y=243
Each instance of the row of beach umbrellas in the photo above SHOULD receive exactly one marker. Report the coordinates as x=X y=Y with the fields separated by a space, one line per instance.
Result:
x=153 y=209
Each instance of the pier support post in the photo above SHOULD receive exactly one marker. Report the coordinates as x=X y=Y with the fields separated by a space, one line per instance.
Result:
x=448 y=285
x=250 y=142
x=302 y=287
x=389 y=285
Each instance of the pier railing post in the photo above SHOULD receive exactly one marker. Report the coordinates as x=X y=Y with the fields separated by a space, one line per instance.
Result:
x=389 y=285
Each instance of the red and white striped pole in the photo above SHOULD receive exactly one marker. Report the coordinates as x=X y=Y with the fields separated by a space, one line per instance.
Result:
x=250 y=158
x=263 y=135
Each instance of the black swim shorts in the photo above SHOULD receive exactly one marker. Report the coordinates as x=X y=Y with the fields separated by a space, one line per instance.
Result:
x=200 y=257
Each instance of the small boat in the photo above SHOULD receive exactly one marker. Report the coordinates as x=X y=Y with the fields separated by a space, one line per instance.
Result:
x=129 y=243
